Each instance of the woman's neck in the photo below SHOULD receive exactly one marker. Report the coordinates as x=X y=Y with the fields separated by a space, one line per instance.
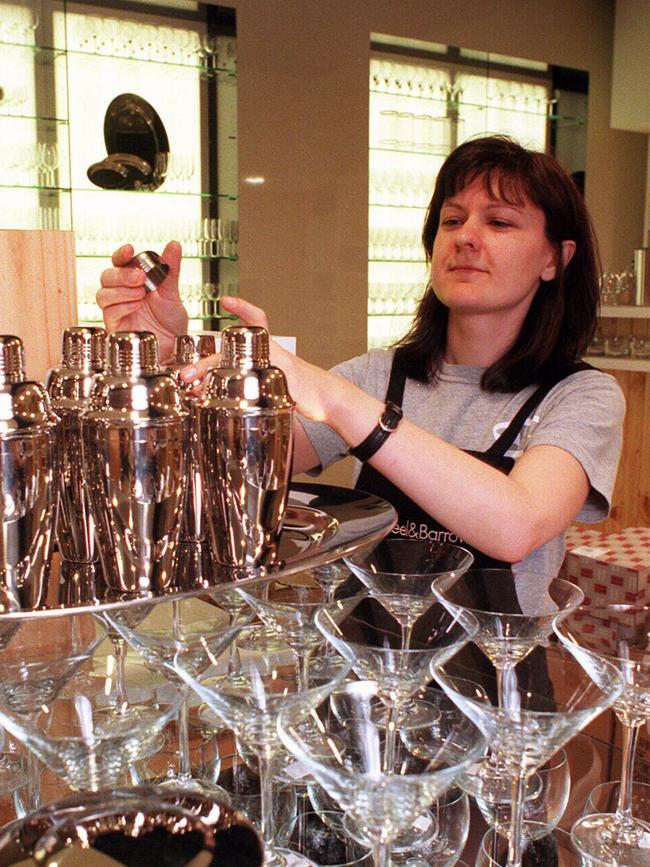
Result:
x=477 y=341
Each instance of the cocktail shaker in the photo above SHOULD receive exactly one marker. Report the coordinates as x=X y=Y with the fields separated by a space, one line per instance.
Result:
x=69 y=387
x=245 y=449
x=28 y=469
x=188 y=349
x=134 y=459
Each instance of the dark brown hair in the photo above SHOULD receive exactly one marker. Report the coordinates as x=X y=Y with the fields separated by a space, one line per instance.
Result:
x=562 y=317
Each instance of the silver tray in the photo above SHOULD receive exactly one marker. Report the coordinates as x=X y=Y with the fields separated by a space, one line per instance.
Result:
x=322 y=524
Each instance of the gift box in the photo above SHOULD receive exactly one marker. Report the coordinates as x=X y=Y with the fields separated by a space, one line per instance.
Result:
x=613 y=568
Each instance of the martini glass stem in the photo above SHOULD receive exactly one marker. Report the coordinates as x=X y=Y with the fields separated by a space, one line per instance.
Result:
x=391 y=737
x=381 y=854
x=624 y=805
x=515 y=842
x=184 y=762
x=33 y=782
x=120 y=648
x=265 y=761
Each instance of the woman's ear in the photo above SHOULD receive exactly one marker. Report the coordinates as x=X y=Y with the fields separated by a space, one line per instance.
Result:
x=568 y=249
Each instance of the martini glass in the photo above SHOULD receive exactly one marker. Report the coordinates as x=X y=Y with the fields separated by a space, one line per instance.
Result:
x=529 y=727
x=380 y=805
x=621 y=635
x=38 y=657
x=399 y=572
x=370 y=639
x=157 y=632
x=290 y=608
x=250 y=701
x=77 y=733
x=514 y=615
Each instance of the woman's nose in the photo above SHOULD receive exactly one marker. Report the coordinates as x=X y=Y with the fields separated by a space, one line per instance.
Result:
x=468 y=235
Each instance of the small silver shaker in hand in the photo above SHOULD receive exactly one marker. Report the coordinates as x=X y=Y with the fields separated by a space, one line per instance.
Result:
x=245 y=449
x=69 y=385
x=134 y=454
x=28 y=493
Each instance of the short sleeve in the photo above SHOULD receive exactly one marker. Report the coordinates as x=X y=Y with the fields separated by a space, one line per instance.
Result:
x=584 y=416
x=368 y=372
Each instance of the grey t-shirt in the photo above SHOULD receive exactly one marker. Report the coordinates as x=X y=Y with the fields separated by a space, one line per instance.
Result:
x=583 y=414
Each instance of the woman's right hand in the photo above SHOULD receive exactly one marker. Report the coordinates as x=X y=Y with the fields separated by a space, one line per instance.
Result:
x=127 y=306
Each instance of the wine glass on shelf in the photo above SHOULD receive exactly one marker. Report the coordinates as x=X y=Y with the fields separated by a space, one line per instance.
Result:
x=515 y=613
x=75 y=730
x=202 y=628
x=620 y=634
x=365 y=633
x=547 y=698
x=555 y=850
x=250 y=700
x=399 y=573
x=544 y=806
x=345 y=756
x=38 y=657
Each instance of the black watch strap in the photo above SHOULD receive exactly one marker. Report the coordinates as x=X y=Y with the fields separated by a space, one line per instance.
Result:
x=388 y=422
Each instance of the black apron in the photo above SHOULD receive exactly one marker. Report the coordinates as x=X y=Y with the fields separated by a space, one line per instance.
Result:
x=410 y=515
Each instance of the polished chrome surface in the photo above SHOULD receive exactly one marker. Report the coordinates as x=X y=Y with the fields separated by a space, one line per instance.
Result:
x=245 y=448
x=322 y=524
x=134 y=453
x=155 y=269
x=69 y=386
x=188 y=349
x=28 y=469
x=138 y=808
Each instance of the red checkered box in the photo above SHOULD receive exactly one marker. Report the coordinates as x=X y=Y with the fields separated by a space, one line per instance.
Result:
x=614 y=569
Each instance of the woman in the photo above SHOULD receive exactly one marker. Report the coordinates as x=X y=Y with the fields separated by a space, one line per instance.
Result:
x=505 y=439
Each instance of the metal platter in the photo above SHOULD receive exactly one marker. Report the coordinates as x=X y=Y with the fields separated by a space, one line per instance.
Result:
x=322 y=524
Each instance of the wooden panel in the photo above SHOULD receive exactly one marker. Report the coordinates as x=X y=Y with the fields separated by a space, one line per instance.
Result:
x=38 y=295
x=631 y=500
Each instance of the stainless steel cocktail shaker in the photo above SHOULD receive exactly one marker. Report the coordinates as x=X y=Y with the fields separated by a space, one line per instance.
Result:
x=28 y=469
x=245 y=449
x=134 y=458
x=188 y=349
x=69 y=387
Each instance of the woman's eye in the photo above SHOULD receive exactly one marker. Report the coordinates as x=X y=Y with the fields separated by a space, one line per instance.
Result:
x=450 y=221
x=500 y=224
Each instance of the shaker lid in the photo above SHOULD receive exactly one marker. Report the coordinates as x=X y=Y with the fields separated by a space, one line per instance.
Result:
x=245 y=346
x=24 y=405
x=134 y=389
x=84 y=348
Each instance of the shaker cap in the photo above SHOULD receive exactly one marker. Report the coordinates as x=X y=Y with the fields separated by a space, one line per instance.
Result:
x=12 y=358
x=245 y=346
x=84 y=348
x=132 y=353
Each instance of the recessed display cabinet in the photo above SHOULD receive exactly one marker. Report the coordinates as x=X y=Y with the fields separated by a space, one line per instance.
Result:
x=65 y=70
x=424 y=100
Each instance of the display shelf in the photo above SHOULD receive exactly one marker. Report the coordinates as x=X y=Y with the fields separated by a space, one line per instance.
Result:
x=399 y=206
x=434 y=152
x=401 y=261
x=229 y=197
x=624 y=311
x=610 y=362
x=186 y=257
x=31 y=118
x=457 y=105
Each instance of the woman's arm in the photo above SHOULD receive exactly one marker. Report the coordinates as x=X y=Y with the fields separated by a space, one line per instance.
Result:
x=507 y=517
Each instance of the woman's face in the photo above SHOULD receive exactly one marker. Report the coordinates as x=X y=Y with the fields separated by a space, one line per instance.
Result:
x=489 y=256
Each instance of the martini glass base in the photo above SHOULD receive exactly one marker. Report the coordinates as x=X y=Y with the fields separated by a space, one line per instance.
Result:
x=420 y=833
x=604 y=837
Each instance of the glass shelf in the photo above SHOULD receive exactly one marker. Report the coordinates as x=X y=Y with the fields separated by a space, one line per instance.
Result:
x=39 y=118
x=401 y=261
x=392 y=205
x=159 y=192
x=47 y=53
x=457 y=105
x=441 y=152
x=185 y=257
x=626 y=311
x=625 y=362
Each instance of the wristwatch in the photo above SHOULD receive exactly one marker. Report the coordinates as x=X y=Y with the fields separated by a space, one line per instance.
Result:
x=388 y=422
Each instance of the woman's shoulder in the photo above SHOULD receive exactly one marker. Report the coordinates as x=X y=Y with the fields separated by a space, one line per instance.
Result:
x=370 y=369
x=588 y=386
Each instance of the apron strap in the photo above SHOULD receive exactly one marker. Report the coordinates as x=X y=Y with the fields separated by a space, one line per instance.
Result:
x=501 y=445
